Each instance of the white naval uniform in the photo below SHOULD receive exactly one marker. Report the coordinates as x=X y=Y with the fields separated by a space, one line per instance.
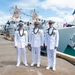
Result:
x=21 y=42
x=36 y=40
x=51 y=42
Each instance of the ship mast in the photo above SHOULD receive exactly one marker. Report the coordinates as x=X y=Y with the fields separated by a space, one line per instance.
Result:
x=16 y=13
x=34 y=14
x=74 y=17
x=74 y=20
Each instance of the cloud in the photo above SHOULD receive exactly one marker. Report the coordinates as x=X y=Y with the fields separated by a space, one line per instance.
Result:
x=3 y=17
x=56 y=19
x=62 y=8
x=2 y=13
x=58 y=3
x=25 y=19
x=26 y=4
x=69 y=19
x=66 y=19
x=57 y=6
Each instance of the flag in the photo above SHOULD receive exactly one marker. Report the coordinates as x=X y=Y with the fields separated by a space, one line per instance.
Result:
x=73 y=12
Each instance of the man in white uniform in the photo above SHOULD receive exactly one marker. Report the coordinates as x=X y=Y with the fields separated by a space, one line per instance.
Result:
x=51 y=43
x=21 y=42
x=36 y=40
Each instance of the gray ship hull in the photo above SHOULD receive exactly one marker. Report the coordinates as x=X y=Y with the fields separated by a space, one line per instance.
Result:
x=66 y=36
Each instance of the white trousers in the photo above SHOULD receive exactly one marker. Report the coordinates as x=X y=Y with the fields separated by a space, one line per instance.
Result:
x=36 y=55
x=18 y=52
x=51 y=55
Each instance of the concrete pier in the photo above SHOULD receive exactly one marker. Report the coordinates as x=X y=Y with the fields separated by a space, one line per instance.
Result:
x=8 y=63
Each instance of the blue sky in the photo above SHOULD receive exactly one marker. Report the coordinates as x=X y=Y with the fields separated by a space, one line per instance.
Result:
x=57 y=10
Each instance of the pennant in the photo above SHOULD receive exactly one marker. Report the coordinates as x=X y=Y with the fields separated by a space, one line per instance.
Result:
x=73 y=12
